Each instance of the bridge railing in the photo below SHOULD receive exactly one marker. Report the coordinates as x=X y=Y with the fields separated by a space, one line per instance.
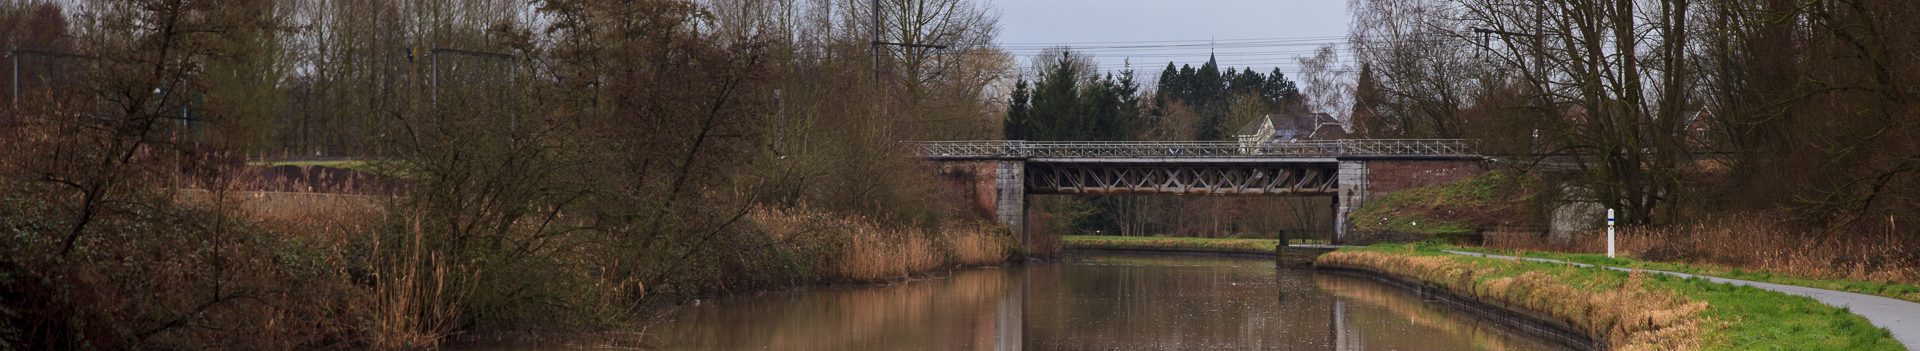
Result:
x=1197 y=149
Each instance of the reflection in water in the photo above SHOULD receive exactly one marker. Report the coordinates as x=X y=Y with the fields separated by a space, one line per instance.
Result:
x=967 y=310
x=1369 y=316
x=1100 y=303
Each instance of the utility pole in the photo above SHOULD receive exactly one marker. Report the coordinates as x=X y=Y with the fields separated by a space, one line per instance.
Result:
x=875 y=46
x=1538 y=71
x=434 y=73
x=434 y=57
x=16 y=66
x=879 y=104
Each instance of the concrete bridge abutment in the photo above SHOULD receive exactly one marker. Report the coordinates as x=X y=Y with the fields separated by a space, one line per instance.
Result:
x=993 y=189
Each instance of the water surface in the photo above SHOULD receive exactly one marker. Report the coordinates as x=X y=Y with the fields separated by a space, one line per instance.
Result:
x=1104 y=302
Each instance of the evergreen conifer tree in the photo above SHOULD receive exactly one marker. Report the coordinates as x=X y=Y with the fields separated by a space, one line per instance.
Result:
x=1279 y=90
x=1018 y=108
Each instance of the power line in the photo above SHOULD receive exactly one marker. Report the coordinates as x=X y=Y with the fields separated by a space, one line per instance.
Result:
x=1210 y=45
x=1184 y=40
x=1262 y=55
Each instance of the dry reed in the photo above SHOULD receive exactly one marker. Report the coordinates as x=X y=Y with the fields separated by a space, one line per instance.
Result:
x=977 y=244
x=416 y=299
x=856 y=248
x=1751 y=243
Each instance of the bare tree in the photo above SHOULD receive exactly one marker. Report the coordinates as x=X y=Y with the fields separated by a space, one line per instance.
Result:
x=1421 y=71
x=1327 y=88
x=929 y=42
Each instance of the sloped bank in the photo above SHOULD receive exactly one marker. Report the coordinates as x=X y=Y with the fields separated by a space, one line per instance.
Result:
x=1615 y=310
x=1509 y=317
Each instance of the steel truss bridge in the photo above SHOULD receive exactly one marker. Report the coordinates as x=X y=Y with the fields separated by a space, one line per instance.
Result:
x=1315 y=178
x=998 y=175
x=1361 y=148
x=1193 y=168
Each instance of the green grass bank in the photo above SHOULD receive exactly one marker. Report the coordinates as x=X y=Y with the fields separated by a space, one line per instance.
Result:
x=1628 y=311
x=1451 y=209
x=1893 y=289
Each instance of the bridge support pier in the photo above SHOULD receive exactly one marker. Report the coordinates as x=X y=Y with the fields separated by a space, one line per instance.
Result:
x=1010 y=200
x=1352 y=177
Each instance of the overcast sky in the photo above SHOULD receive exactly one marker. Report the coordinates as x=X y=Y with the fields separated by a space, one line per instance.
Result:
x=1262 y=34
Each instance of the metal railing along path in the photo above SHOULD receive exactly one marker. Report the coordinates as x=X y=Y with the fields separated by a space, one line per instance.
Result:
x=1194 y=149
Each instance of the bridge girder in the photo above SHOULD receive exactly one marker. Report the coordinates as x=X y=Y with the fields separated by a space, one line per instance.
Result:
x=1298 y=179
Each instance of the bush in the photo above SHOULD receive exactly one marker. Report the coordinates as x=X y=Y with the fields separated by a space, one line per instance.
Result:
x=166 y=274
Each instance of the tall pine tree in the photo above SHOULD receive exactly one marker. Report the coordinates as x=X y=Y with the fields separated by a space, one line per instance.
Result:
x=1056 y=113
x=1128 y=92
x=1367 y=120
x=1280 y=91
x=1209 y=93
x=1018 y=109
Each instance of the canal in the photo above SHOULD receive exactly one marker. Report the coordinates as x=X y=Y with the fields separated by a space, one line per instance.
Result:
x=1098 y=302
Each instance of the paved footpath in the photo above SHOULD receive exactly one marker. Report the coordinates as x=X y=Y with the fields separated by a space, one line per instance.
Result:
x=1899 y=316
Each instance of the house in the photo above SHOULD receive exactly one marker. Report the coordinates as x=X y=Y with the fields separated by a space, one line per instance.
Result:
x=1698 y=128
x=1291 y=128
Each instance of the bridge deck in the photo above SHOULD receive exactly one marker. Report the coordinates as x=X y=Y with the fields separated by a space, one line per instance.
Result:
x=1154 y=151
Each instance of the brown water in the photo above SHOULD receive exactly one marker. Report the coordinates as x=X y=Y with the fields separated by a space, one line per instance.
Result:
x=1105 y=302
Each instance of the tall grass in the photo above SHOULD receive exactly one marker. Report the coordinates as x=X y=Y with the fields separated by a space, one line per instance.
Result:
x=1751 y=242
x=414 y=302
x=977 y=244
x=856 y=248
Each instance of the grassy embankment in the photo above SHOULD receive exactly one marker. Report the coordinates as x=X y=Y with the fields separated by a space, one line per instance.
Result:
x=1741 y=246
x=1629 y=311
x=359 y=165
x=388 y=168
x=1887 y=288
x=1746 y=247
x=1259 y=246
x=1448 y=210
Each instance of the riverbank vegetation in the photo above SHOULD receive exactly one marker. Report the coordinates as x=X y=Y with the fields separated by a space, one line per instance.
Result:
x=826 y=247
x=1743 y=248
x=1479 y=212
x=1628 y=311
x=558 y=165
x=1738 y=137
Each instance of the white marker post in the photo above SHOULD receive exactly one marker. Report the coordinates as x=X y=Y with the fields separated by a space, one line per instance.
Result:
x=1609 y=233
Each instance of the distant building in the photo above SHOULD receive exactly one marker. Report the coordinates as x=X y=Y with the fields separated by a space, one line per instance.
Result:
x=1699 y=129
x=1291 y=128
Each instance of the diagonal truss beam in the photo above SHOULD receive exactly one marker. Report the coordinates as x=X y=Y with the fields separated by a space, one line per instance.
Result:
x=1300 y=178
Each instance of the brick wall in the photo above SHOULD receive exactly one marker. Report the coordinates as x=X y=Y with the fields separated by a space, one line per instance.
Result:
x=1387 y=176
